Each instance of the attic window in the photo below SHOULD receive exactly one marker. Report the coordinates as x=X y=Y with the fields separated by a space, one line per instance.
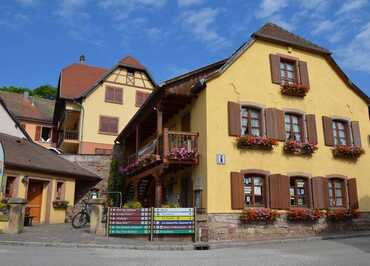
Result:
x=45 y=134
x=130 y=72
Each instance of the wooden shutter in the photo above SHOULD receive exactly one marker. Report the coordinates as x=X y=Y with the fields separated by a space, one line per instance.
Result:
x=352 y=194
x=38 y=133
x=355 y=126
x=275 y=68
x=279 y=187
x=309 y=193
x=141 y=98
x=303 y=72
x=118 y=95
x=237 y=191
x=311 y=129
x=109 y=93
x=328 y=130
x=320 y=192
x=234 y=119
x=275 y=125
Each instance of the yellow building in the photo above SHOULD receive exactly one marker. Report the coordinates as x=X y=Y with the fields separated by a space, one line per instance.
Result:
x=94 y=104
x=278 y=125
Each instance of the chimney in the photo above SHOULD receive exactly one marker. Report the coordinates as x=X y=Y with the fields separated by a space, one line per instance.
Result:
x=82 y=59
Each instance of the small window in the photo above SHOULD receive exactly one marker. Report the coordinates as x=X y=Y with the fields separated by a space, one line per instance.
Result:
x=288 y=72
x=251 y=121
x=10 y=187
x=130 y=72
x=141 y=98
x=298 y=192
x=293 y=127
x=336 y=192
x=100 y=151
x=59 y=195
x=46 y=134
x=340 y=129
x=254 y=191
x=114 y=95
x=108 y=125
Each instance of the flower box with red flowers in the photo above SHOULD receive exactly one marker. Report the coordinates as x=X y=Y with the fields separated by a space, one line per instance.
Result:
x=141 y=162
x=258 y=215
x=292 y=89
x=299 y=148
x=304 y=215
x=255 y=142
x=182 y=154
x=341 y=214
x=347 y=151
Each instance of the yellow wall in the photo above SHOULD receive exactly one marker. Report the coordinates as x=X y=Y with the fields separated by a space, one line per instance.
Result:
x=249 y=79
x=95 y=106
x=56 y=215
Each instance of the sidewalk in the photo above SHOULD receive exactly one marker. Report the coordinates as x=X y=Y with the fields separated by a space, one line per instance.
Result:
x=63 y=235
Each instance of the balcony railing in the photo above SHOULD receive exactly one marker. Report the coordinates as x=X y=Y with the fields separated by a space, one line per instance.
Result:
x=71 y=135
x=172 y=147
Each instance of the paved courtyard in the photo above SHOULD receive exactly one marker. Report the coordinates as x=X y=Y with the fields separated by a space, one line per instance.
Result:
x=344 y=252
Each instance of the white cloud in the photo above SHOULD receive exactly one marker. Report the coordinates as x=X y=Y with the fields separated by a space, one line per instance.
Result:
x=187 y=3
x=351 y=5
x=324 y=26
x=270 y=7
x=201 y=24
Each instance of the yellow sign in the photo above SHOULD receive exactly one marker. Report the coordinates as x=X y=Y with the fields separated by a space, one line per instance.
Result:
x=173 y=218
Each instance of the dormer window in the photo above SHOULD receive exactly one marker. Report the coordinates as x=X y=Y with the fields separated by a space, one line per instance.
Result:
x=130 y=72
x=288 y=71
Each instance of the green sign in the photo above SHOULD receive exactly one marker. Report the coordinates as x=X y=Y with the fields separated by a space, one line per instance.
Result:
x=129 y=231
x=2 y=168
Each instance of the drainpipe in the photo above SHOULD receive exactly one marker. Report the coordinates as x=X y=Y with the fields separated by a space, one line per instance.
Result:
x=82 y=124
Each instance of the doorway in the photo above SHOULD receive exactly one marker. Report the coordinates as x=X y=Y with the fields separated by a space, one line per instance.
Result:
x=34 y=199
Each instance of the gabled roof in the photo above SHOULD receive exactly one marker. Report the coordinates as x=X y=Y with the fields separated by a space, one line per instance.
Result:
x=131 y=62
x=275 y=33
x=29 y=108
x=26 y=155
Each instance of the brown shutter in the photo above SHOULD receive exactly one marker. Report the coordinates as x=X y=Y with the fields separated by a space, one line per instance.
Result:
x=308 y=193
x=303 y=71
x=38 y=133
x=275 y=125
x=279 y=191
x=237 y=191
x=355 y=126
x=109 y=93
x=119 y=95
x=311 y=129
x=352 y=193
x=275 y=68
x=320 y=192
x=234 y=119
x=328 y=130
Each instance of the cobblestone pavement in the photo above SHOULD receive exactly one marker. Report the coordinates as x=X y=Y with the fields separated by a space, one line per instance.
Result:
x=344 y=252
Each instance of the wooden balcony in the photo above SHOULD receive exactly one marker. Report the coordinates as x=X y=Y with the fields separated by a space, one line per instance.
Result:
x=172 y=147
x=71 y=134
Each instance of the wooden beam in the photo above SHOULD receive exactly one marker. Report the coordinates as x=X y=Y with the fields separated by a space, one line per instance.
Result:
x=137 y=139
x=159 y=122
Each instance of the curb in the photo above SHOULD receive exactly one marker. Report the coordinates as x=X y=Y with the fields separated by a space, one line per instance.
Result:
x=192 y=246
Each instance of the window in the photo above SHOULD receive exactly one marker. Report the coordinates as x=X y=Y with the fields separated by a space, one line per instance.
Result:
x=340 y=129
x=114 y=95
x=293 y=127
x=250 y=121
x=10 y=187
x=288 y=73
x=141 y=98
x=108 y=125
x=103 y=151
x=254 y=191
x=336 y=192
x=59 y=195
x=130 y=72
x=46 y=134
x=298 y=192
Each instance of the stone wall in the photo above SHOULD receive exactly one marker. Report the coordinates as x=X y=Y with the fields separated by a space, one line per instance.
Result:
x=230 y=227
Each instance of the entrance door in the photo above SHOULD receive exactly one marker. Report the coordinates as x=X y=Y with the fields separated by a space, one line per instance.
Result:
x=34 y=198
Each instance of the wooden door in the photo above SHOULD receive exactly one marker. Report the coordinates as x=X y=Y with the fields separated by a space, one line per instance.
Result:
x=34 y=198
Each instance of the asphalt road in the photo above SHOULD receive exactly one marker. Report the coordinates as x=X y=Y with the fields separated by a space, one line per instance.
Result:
x=346 y=252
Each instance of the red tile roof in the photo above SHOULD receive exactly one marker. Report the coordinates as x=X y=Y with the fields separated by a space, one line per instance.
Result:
x=131 y=62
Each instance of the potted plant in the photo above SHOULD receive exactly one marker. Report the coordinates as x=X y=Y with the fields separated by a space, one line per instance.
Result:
x=304 y=215
x=341 y=214
x=299 y=148
x=258 y=215
x=181 y=153
x=60 y=204
x=255 y=142
x=132 y=204
x=348 y=151
x=291 y=89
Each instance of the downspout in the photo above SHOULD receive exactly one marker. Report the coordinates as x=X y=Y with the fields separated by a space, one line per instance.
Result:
x=81 y=124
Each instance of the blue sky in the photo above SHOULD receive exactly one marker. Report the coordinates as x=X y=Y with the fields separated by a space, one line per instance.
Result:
x=40 y=37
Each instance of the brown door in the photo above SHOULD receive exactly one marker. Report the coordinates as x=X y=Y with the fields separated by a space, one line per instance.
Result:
x=34 y=198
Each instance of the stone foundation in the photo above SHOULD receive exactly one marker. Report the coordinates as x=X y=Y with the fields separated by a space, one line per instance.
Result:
x=230 y=227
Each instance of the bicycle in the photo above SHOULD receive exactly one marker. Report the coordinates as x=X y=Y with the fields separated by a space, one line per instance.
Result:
x=82 y=218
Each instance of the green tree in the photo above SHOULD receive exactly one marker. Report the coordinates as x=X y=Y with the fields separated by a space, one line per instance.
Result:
x=45 y=91
x=15 y=89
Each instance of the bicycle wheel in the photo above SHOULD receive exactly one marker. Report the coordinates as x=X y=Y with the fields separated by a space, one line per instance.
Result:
x=80 y=220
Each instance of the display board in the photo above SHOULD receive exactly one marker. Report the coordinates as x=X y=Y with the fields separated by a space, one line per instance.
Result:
x=173 y=221
x=129 y=221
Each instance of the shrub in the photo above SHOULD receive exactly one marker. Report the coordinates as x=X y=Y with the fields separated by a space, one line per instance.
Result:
x=256 y=215
x=133 y=204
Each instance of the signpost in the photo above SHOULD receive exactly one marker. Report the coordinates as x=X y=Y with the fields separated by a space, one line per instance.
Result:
x=2 y=169
x=174 y=221
x=129 y=221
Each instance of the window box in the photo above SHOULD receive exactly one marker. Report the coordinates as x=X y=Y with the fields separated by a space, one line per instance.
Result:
x=341 y=214
x=141 y=162
x=60 y=204
x=182 y=154
x=291 y=89
x=299 y=148
x=304 y=215
x=347 y=151
x=259 y=215
x=255 y=142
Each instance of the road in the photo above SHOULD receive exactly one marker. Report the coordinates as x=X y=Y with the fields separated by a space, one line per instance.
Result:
x=344 y=252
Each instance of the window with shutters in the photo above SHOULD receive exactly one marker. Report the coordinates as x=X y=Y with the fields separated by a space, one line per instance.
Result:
x=108 y=125
x=59 y=194
x=288 y=71
x=10 y=186
x=298 y=191
x=251 y=121
x=114 y=95
x=336 y=192
x=254 y=191
x=294 y=127
x=141 y=98
x=340 y=132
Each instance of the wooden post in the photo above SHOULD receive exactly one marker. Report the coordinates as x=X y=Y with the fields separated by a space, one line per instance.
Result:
x=159 y=122
x=165 y=144
x=158 y=192
x=137 y=140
